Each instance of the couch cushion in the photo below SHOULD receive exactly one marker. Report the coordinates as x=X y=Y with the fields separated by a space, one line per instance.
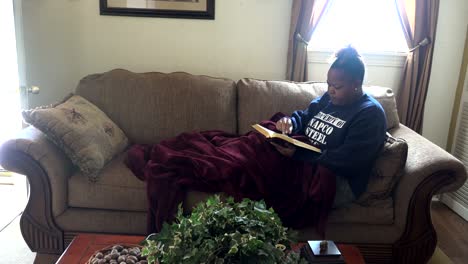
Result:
x=153 y=106
x=386 y=98
x=85 y=133
x=84 y=220
x=117 y=189
x=355 y=234
x=259 y=100
x=378 y=212
x=387 y=171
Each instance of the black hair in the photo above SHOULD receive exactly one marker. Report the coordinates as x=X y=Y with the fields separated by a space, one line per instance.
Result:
x=349 y=60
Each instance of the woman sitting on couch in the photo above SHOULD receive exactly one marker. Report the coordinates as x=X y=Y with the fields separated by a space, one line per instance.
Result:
x=346 y=124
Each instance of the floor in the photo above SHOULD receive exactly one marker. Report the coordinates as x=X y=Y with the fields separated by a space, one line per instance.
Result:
x=13 y=196
x=13 y=249
x=13 y=199
x=451 y=229
x=452 y=233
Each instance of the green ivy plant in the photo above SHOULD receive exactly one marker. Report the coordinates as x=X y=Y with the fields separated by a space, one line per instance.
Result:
x=223 y=232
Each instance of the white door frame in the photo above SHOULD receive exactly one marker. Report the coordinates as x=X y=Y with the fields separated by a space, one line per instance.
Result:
x=23 y=83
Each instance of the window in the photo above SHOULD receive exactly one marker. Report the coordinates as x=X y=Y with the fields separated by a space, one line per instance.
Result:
x=372 y=26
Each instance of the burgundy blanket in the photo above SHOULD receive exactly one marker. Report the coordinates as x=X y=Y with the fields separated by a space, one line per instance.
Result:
x=246 y=166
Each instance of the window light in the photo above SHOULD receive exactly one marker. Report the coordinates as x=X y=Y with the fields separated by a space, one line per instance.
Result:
x=372 y=26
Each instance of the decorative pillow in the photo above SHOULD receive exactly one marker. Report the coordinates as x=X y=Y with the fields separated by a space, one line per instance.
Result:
x=387 y=171
x=85 y=133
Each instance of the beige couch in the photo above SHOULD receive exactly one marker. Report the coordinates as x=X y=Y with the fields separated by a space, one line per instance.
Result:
x=150 y=107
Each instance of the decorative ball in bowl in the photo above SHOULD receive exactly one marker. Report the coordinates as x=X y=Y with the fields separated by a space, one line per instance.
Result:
x=118 y=254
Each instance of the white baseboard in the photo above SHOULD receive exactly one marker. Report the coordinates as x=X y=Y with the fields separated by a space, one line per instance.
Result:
x=455 y=206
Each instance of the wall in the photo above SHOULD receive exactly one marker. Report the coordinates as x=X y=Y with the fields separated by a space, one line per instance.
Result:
x=448 y=53
x=68 y=39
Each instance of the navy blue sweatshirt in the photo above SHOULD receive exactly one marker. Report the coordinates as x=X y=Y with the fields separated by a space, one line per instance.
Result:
x=350 y=137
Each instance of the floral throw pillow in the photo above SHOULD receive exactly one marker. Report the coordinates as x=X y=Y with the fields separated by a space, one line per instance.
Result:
x=85 y=133
x=388 y=169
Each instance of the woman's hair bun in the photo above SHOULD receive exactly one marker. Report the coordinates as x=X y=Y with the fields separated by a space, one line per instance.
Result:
x=350 y=61
x=346 y=53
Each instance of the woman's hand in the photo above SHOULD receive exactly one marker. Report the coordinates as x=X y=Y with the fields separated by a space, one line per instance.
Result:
x=287 y=150
x=284 y=125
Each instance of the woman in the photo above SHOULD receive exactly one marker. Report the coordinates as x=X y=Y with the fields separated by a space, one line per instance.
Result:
x=348 y=125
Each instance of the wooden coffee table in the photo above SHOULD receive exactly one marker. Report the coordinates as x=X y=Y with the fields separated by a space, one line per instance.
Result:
x=83 y=247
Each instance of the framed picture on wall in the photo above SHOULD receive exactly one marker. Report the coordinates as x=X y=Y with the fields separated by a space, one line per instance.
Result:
x=198 y=9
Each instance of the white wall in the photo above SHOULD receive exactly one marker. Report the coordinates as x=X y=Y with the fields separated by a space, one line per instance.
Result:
x=448 y=53
x=68 y=39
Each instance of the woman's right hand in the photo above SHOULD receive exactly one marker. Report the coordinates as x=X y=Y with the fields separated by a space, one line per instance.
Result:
x=284 y=125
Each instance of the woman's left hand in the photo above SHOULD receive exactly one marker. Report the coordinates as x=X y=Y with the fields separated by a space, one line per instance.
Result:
x=287 y=149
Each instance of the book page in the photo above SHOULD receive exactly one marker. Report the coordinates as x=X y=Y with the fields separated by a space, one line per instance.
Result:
x=272 y=134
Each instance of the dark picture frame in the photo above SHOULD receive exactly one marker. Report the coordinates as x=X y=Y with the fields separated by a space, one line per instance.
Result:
x=106 y=8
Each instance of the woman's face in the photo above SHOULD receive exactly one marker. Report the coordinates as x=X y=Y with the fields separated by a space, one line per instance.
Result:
x=341 y=87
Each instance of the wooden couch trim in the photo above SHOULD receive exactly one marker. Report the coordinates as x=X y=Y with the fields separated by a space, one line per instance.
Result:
x=419 y=240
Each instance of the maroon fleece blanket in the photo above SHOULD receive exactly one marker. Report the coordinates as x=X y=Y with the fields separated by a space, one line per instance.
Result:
x=245 y=166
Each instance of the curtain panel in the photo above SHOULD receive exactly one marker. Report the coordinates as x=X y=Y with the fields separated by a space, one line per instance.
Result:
x=419 y=21
x=305 y=16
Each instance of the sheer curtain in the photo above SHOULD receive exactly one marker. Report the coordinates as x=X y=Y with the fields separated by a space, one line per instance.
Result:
x=10 y=118
x=305 y=16
x=419 y=21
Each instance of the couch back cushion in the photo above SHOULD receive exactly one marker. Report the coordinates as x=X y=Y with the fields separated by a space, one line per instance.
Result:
x=386 y=98
x=258 y=100
x=153 y=106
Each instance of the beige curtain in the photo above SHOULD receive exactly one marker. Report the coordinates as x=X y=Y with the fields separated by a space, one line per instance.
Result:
x=419 y=20
x=305 y=16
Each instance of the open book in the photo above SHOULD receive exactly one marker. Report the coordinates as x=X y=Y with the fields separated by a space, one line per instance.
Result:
x=272 y=134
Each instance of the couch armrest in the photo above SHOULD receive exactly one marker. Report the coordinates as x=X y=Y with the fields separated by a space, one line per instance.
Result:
x=429 y=170
x=427 y=164
x=45 y=165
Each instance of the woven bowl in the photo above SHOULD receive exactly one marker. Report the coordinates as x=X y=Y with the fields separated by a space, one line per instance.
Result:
x=99 y=256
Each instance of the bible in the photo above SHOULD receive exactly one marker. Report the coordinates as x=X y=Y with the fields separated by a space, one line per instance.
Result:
x=273 y=135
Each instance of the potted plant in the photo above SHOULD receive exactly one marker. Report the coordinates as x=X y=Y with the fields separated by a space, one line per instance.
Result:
x=223 y=232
